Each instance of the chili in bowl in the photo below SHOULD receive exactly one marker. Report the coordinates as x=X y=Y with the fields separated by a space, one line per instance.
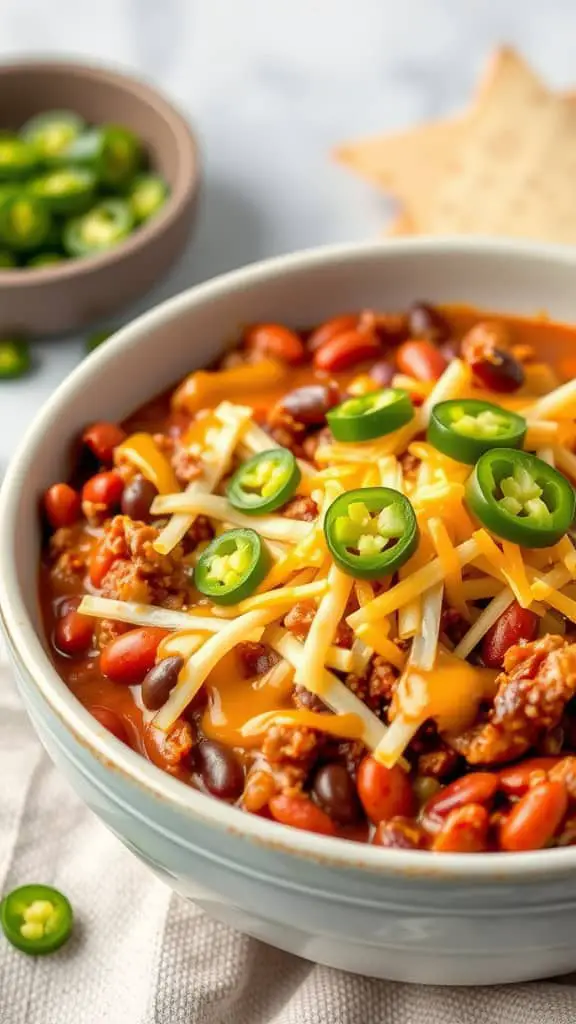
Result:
x=346 y=606
x=203 y=800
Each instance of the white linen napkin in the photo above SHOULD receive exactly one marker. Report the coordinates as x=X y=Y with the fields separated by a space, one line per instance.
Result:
x=141 y=955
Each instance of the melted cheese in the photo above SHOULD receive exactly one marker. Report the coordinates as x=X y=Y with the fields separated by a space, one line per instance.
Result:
x=450 y=694
x=203 y=662
x=232 y=700
x=142 y=452
x=345 y=727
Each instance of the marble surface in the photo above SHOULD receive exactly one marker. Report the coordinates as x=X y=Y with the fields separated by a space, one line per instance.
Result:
x=271 y=86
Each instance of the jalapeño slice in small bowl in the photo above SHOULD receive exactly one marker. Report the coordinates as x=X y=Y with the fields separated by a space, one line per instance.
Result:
x=101 y=228
x=371 y=532
x=372 y=415
x=65 y=190
x=114 y=154
x=51 y=132
x=146 y=195
x=24 y=223
x=7 y=260
x=45 y=259
x=521 y=498
x=466 y=428
x=17 y=158
x=37 y=919
x=265 y=482
x=231 y=567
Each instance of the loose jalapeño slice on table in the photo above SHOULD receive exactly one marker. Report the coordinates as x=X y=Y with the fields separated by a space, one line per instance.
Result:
x=371 y=532
x=37 y=919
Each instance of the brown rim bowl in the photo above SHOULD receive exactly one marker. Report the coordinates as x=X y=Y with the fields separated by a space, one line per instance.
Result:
x=74 y=294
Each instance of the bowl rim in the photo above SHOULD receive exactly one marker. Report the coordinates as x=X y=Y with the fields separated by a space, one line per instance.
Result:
x=31 y=657
x=187 y=181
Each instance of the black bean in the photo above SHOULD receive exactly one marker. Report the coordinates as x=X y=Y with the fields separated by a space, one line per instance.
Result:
x=425 y=321
x=160 y=681
x=221 y=772
x=309 y=404
x=382 y=372
x=137 y=498
x=336 y=793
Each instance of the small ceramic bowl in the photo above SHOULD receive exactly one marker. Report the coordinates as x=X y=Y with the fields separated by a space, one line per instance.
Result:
x=71 y=295
x=402 y=914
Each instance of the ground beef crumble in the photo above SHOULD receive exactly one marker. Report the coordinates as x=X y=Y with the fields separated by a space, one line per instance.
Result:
x=538 y=680
x=138 y=572
x=299 y=619
x=300 y=507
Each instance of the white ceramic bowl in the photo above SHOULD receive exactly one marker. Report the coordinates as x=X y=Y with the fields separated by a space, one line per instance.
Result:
x=403 y=915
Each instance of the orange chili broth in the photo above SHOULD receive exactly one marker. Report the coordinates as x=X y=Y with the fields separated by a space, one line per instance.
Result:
x=231 y=698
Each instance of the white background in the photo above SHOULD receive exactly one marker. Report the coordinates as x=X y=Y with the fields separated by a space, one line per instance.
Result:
x=271 y=86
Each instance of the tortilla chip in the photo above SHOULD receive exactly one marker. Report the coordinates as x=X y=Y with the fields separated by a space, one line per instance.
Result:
x=514 y=173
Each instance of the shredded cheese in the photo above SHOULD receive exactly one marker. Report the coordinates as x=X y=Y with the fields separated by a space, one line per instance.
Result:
x=289 y=531
x=407 y=589
x=148 y=615
x=215 y=463
x=324 y=626
x=333 y=692
x=508 y=563
x=447 y=554
x=425 y=645
x=372 y=634
x=557 y=404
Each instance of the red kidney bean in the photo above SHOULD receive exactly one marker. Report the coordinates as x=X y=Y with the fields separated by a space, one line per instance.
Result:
x=476 y=788
x=400 y=834
x=385 y=792
x=100 y=562
x=221 y=772
x=102 y=439
x=345 y=350
x=425 y=321
x=300 y=812
x=137 y=497
x=486 y=350
x=500 y=372
x=533 y=821
x=514 y=624
x=309 y=405
x=62 y=505
x=465 y=830
x=421 y=360
x=73 y=633
x=277 y=341
x=130 y=656
x=159 y=682
x=331 y=329
x=104 y=490
x=336 y=793
x=517 y=778
x=111 y=721
x=382 y=372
